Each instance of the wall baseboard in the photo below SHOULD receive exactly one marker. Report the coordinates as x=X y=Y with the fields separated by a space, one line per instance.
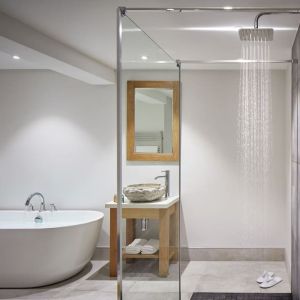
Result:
x=232 y=254
x=216 y=254
x=287 y=258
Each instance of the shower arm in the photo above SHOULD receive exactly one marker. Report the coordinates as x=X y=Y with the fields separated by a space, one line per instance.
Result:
x=273 y=13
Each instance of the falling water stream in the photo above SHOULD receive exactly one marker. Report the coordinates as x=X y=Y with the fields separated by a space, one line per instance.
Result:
x=254 y=129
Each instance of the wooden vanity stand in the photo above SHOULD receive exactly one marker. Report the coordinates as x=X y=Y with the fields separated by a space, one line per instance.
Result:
x=166 y=211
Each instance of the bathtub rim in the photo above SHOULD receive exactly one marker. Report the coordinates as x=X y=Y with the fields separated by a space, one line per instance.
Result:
x=54 y=225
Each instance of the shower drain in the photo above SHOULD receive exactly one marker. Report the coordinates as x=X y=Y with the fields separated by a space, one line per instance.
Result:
x=241 y=296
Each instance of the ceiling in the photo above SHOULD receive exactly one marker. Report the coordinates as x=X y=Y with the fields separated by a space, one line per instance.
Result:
x=214 y=35
x=89 y=26
x=7 y=62
x=153 y=95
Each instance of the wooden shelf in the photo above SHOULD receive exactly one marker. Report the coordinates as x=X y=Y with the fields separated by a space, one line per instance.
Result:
x=145 y=256
x=155 y=255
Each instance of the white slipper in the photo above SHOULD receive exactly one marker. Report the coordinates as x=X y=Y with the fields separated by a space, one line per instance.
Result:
x=267 y=284
x=265 y=276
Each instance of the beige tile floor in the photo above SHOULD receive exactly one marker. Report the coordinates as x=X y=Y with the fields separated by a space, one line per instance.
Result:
x=232 y=276
x=141 y=281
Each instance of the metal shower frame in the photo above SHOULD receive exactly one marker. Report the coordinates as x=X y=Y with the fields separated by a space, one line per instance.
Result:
x=121 y=12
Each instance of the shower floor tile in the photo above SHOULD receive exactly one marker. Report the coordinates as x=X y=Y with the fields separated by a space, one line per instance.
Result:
x=232 y=276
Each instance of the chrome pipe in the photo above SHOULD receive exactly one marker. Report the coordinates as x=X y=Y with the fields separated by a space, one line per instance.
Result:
x=120 y=13
x=234 y=61
x=144 y=224
x=225 y=8
x=213 y=61
x=178 y=63
x=271 y=12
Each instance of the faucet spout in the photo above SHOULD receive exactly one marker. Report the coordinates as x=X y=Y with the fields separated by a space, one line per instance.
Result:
x=167 y=181
x=42 y=206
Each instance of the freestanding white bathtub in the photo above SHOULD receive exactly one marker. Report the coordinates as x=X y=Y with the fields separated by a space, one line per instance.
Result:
x=36 y=254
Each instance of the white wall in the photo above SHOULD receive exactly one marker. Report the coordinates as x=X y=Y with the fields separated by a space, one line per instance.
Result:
x=145 y=113
x=214 y=215
x=214 y=212
x=57 y=136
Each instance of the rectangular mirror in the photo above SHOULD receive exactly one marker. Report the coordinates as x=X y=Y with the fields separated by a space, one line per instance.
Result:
x=152 y=120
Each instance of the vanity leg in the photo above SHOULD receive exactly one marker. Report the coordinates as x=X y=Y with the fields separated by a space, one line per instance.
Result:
x=113 y=251
x=164 y=242
x=175 y=232
x=130 y=235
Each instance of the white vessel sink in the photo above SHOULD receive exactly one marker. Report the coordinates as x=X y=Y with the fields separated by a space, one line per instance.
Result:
x=144 y=192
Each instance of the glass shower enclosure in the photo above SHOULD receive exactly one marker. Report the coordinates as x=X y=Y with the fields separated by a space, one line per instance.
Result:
x=148 y=99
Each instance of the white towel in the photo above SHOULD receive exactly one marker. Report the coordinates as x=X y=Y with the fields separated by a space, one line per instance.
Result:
x=136 y=246
x=150 y=247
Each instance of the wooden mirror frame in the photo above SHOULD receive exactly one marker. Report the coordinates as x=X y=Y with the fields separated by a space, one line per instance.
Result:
x=140 y=156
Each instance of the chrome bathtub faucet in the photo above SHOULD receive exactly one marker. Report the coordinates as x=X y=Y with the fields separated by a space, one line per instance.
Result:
x=167 y=182
x=29 y=205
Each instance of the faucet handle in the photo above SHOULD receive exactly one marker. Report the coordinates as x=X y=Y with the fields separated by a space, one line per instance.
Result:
x=166 y=171
x=53 y=207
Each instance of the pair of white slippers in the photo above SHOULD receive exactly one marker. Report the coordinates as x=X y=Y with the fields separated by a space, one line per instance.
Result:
x=268 y=279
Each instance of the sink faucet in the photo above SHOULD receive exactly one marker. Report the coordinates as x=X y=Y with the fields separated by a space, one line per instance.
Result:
x=42 y=206
x=167 y=181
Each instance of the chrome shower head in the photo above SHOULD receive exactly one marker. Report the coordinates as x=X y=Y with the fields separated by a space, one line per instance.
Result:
x=256 y=34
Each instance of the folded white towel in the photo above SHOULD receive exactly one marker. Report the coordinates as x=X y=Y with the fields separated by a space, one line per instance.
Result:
x=132 y=251
x=150 y=247
x=136 y=246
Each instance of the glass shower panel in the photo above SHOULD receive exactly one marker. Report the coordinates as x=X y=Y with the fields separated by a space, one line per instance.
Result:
x=295 y=168
x=150 y=94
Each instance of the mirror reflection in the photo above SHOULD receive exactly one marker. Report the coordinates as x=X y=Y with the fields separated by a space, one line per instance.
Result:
x=153 y=120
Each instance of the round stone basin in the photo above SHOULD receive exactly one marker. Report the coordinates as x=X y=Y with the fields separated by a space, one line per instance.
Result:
x=144 y=192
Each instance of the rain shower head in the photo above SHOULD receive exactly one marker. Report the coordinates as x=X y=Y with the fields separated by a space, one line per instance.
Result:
x=256 y=34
